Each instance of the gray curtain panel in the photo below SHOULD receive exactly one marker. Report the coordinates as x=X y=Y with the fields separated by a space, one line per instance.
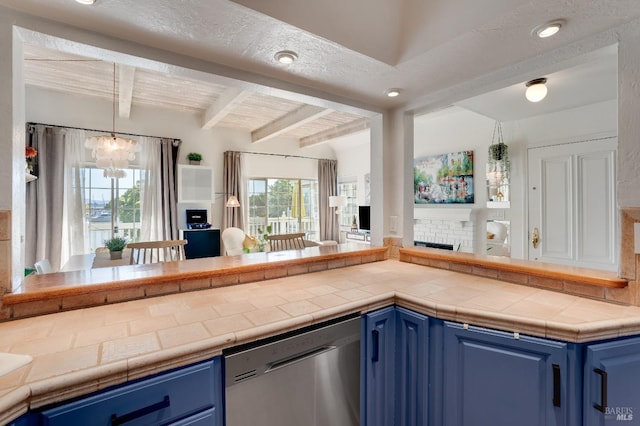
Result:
x=44 y=197
x=233 y=185
x=169 y=151
x=327 y=186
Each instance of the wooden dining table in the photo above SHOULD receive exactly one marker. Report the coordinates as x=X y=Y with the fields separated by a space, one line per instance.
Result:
x=80 y=262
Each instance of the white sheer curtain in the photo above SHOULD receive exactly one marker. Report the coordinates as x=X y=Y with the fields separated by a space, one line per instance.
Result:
x=151 y=208
x=75 y=237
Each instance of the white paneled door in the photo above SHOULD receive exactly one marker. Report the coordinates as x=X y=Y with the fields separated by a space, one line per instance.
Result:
x=572 y=204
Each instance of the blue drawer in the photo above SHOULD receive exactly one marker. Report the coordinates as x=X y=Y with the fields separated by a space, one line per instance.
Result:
x=206 y=418
x=159 y=400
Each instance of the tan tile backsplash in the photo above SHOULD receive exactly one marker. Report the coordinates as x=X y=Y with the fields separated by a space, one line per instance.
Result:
x=628 y=216
x=5 y=252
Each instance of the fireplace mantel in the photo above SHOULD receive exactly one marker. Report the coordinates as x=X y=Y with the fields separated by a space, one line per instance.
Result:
x=443 y=213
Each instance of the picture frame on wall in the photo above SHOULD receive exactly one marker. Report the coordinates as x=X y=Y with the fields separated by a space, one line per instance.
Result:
x=444 y=179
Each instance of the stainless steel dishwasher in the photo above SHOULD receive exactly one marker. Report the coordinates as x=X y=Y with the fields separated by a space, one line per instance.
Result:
x=306 y=378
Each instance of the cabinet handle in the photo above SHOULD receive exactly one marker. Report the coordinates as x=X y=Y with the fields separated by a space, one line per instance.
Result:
x=119 y=420
x=602 y=407
x=556 y=385
x=375 y=337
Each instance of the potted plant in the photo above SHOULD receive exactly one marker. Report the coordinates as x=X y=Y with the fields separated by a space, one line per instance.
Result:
x=263 y=233
x=115 y=246
x=497 y=151
x=194 y=158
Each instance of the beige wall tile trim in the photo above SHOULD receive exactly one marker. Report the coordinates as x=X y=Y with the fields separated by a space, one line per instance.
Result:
x=592 y=277
x=14 y=403
x=77 y=383
x=5 y=225
x=160 y=279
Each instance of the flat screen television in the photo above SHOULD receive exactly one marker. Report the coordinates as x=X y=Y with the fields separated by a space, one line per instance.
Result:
x=364 y=218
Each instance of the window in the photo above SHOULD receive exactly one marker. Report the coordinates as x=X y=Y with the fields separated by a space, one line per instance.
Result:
x=110 y=202
x=347 y=213
x=287 y=205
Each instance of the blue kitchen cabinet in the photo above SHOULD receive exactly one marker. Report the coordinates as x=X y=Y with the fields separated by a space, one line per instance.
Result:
x=189 y=395
x=395 y=346
x=412 y=367
x=377 y=367
x=612 y=383
x=497 y=378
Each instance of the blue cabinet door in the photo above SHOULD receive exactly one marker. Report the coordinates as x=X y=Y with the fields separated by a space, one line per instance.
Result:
x=201 y=243
x=412 y=366
x=612 y=383
x=493 y=378
x=377 y=366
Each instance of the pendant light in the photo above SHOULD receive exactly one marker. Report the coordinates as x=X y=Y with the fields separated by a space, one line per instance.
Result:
x=112 y=153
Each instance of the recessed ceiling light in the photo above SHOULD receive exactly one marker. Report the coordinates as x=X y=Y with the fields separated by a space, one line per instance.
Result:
x=286 y=56
x=536 y=90
x=549 y=29
x=86 y=1
x=392 y=93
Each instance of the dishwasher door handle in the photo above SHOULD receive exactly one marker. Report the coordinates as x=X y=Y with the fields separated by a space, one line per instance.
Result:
x=298 y=357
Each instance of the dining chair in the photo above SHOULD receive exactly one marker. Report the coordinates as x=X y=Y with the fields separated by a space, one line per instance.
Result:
x=232 y=239
x=156 y=251
x=280 y=242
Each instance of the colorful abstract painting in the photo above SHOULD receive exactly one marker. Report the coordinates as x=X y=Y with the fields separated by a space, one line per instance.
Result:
x=444 y=179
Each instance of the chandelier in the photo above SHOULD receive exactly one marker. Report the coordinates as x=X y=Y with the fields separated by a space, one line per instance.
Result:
x=112 y=153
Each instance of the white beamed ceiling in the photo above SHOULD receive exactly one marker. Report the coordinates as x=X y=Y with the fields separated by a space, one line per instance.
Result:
x=60 y=71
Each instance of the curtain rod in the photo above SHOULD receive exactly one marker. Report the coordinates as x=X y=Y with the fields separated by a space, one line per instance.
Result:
x=101 y=131
x=280 y=155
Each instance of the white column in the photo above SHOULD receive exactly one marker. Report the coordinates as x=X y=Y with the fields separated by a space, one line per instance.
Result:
x=628 y=185
x=12 y=143
x=377 y=176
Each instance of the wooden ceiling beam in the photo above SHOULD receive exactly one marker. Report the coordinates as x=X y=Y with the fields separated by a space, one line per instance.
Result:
x=126 y=76
x=225 y=103
x=297 y=118
x=343 y=130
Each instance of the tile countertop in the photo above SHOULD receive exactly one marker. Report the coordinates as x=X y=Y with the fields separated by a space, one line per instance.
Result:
x=81 y=351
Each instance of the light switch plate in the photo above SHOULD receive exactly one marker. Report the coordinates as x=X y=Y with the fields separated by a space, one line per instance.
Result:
x=636 y=237
x=393 y=224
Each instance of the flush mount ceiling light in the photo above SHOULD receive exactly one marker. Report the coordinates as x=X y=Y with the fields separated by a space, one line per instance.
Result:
x=392 y=93
x=286 y=57
x=536 y=90
x=88 y=2
x=549 y=29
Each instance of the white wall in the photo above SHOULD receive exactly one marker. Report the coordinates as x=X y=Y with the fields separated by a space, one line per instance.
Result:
x=451 y=130
x=353 y=153
x=577 y=124
x=456 y=129
x=51 y=107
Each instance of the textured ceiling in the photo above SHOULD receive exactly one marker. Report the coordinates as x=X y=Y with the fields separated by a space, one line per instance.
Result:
x=351 y=50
